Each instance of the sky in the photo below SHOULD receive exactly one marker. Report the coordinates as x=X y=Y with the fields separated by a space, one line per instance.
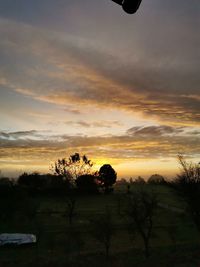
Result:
x=83 y=76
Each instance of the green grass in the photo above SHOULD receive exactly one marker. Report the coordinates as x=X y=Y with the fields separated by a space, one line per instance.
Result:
x=56 y=247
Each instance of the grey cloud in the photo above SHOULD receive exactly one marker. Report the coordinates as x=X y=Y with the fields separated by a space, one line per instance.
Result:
x=21 y=135
x=154 y=130
x=149 y=142
x=95 y=124
x=73 y=71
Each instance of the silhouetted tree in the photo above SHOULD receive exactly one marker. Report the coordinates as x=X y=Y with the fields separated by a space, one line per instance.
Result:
x=140 y=212
x=156 y=179
x=139 y=180
x=34 y=181
x=188 y=185
x=43 y=183
x=6 y=186
x=73 y=167
x=87 y=184
x=107 y=177
x=56 y=184
x=102 y=229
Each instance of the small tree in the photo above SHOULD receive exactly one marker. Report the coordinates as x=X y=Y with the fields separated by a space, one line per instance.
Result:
x=140 y=212
x=102 y=229
x=70 y=209
x=107 y=177
x=73 y=167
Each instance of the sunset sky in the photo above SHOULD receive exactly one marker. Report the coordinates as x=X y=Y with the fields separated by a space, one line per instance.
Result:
x=83 y=76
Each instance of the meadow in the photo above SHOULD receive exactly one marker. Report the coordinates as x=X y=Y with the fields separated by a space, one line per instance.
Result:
x=174 y=242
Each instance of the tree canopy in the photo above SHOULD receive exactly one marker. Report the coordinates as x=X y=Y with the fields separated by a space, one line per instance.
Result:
x=107 y=177
x=73 y=167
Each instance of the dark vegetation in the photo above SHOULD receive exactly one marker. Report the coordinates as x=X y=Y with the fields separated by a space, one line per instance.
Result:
x=86 y=218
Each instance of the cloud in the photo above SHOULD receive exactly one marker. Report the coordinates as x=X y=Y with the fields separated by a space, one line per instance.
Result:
x=17 y=135
x=138 y=143
x=155 y=130
x=73 y=71
x=95 y=124
x=23 y=136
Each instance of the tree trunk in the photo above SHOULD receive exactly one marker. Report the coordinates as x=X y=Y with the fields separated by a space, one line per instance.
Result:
x=146 y=246
x=107 y=251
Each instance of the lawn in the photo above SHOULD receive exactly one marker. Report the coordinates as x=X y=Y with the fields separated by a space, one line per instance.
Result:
x=175 y=240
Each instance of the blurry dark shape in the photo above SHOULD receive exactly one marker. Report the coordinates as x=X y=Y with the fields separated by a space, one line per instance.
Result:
x=129 y=6
x=140 y=212
x=87 y=184
x=128 y=189
x=107 y=177
x=156 y=179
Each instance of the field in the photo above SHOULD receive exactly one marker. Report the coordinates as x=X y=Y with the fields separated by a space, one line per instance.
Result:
x=175 y=240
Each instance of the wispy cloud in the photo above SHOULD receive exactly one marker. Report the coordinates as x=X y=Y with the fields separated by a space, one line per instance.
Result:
x=67 y=71
x=155 y=130
x=95 y=124
x=144 y=142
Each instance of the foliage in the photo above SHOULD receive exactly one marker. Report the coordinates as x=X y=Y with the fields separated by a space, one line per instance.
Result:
x=107 y=177
x=43 y=183
x=87 y=184
x=139 y=180
x=140 y=212
x=73 y=167
x=33 y=180
x=156 y=179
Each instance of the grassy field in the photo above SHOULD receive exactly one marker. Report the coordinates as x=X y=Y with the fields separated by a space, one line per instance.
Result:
x=60 y=244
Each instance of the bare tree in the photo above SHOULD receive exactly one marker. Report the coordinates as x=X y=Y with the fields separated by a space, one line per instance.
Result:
x=188 y=184
x=70 y=209
x=140 y=212
x=73 y=167
x=102 y=229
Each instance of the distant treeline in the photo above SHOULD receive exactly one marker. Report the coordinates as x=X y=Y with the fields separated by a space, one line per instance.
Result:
x=48 y=184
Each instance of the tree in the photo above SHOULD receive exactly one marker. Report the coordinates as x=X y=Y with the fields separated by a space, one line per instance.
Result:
x=107 y=177
x=139 y=180
x=156 y=179
x=73 y=167
x=188 y=185
x=102 y=229
x=87 y=184
x=140 y=212
x=70 y=209
x=34 y=181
